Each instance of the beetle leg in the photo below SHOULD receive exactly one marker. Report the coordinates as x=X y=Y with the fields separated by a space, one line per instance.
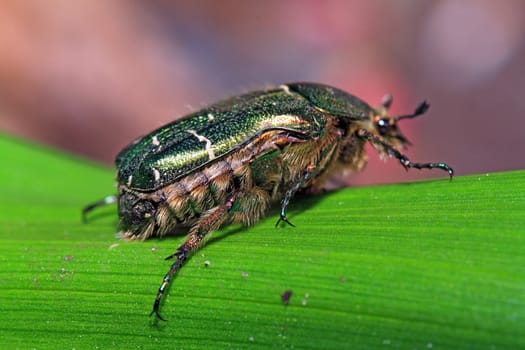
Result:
x=405 y=162
x=209 y=222
x=309 y=172
x=101 y=203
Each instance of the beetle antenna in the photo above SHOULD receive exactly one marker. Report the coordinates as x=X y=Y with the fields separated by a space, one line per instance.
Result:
x=387 y=100
x=421 y=109
x=101 y=203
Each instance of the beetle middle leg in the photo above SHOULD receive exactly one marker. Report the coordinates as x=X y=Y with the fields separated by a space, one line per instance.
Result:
x=405 y=162
x=209 y=222
x=288 y=196
x=312 y=171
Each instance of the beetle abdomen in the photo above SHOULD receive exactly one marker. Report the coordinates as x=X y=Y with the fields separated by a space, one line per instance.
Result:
x=258 y=174
x=182 y=203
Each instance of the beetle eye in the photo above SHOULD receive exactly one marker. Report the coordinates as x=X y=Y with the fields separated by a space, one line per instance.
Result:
x=383 y=126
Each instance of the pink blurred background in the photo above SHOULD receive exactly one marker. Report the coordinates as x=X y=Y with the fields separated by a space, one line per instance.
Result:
x=90 y=76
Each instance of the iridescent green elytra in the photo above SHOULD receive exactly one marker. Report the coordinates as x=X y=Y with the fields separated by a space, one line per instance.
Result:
x=228 y=162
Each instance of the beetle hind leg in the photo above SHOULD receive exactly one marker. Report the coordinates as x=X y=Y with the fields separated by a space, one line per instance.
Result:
x=101 y=203
x=209 y=222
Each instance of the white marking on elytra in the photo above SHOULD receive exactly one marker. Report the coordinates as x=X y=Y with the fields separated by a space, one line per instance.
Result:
x=130 y=178
x=285 y=88
x=208 y=146
x=156 y=174
x=211 y=117
x=155 y=141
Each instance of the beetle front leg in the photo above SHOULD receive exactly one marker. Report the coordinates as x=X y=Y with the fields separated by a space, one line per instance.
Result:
x=208 y=223
x=405 y=162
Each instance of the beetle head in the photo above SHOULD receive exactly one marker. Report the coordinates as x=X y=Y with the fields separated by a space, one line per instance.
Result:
x=386 y=126
x=136 y=214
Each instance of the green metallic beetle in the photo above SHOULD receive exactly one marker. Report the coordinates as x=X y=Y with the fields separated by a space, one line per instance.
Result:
x=228 y=162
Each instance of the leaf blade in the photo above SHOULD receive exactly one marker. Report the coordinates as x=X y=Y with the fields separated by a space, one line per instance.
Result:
x=432 y=264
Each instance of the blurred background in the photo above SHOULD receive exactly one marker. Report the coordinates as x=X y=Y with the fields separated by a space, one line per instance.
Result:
x=89 y=76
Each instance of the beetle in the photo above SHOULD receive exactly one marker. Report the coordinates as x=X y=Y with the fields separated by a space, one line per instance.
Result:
x=228 y=162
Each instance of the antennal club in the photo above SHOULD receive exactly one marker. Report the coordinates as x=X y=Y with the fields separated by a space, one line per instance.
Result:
x=387 y=100
x=421 y=109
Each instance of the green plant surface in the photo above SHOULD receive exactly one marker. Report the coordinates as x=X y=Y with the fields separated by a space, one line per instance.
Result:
x=428 y=265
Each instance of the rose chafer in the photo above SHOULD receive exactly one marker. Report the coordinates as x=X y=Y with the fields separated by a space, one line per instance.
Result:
x=228 y=162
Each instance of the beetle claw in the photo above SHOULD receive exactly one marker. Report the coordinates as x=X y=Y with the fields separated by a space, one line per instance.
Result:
x=284 y=219
x=157 y=313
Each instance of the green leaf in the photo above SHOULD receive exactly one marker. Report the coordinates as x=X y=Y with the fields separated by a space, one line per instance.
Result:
x=428 y=265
